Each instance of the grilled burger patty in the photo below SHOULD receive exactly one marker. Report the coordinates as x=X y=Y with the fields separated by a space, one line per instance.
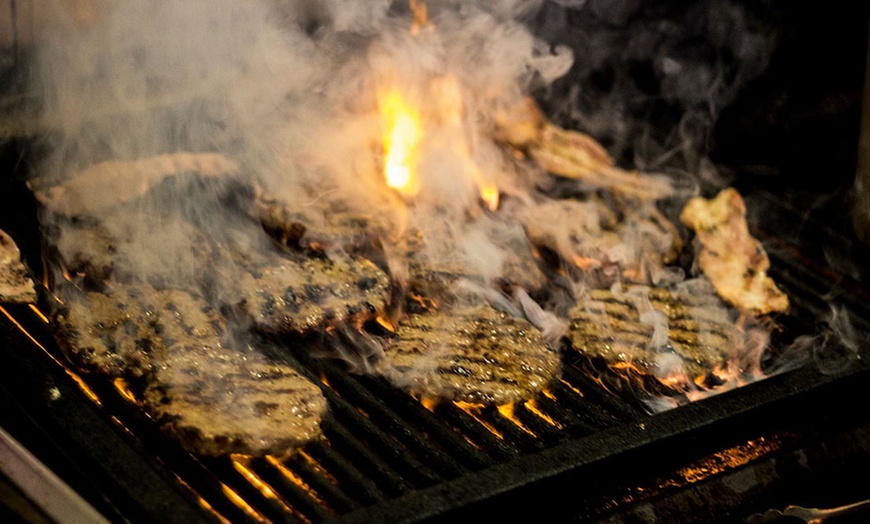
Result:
x=216 y=400
x=122 y=331
x=213 y=399
x=298 y=296
x=643 y=326
x=470 y=354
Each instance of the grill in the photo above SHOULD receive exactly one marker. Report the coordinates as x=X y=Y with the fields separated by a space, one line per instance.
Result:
x=388 y=457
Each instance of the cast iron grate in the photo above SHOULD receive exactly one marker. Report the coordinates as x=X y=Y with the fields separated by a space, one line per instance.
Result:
x=381 y=446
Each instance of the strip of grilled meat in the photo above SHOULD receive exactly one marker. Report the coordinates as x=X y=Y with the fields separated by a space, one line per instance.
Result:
x=730 y=256
x=470 y=354
x=647 y=327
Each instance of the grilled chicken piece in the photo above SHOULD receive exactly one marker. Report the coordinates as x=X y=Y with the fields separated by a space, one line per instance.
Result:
x=590 y=237
x=730 y=256
x=107 y=184
x=575 y=155
x=469 y=354
x=298 y=296
x=660 y=332
x=15 y=285
x=122 y=332
x=216 y=401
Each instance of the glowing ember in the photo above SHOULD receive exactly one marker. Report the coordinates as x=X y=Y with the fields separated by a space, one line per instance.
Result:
x=400 y=143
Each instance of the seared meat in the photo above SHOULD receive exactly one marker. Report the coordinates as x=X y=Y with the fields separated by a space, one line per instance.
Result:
x=336 y=226
x=298 y=296
x=130 y=245
x=470 y=354
x=122 y=332
x=500 y=255
x=107 y=184
x=15 y=284
x=216 y=400
x=213 y=399
x=573 y=154
x=591 y=238
x=730 y=256
x=649 y=327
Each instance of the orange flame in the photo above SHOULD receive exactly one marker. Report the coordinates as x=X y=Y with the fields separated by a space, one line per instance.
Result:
x=400 y=142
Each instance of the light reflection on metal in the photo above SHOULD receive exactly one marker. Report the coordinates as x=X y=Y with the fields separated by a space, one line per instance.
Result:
x=240 y=464
x=236 y=499
x=38 y=313
x=296 y=480
x=532 y=406
x=473 y=410
x=201 y=501
x=429 y=403
x=85 y=388
x=384 y=323
x=507 y=411
x=571 y=387
x=318 y=467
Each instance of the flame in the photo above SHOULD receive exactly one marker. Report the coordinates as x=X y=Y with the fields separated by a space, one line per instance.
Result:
x=448 y=96
x=403 y=133
x=124 y=389
x=420 y=16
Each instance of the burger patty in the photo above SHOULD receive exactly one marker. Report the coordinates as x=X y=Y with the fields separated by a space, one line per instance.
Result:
x=122 y=331
x=644 y=327
x=469 y=354
x=215 y=400
x=292 y=296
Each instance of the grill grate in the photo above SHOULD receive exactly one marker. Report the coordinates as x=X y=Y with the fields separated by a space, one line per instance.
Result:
x=382 y=448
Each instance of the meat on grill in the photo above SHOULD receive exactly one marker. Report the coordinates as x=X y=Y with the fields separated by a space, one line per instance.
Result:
x=125 y=330
x=15 y=284
x=107 y=184
x=469 y=354
x=730 y=256
x=216 y=400
x=213 y=399
x=573 y=154
x=603 y=246
x=296 y=296
x=658 y=331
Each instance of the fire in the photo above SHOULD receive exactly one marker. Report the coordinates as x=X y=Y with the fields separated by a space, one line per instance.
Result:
x=442 y=114
x=400 y=143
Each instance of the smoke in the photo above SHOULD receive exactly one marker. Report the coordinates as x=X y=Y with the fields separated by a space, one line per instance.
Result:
x=650 y=79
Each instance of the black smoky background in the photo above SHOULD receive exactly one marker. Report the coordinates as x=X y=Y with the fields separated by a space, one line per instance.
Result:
x=758 y=94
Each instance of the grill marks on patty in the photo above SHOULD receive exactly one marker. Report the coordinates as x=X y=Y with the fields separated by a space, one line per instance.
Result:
x=122 y=332
x=214 y=399
x=217 y=401
x=295 y=297
x=622 y=328
x=470 y=354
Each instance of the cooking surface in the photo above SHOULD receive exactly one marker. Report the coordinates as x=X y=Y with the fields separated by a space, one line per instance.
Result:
x=387 y=456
